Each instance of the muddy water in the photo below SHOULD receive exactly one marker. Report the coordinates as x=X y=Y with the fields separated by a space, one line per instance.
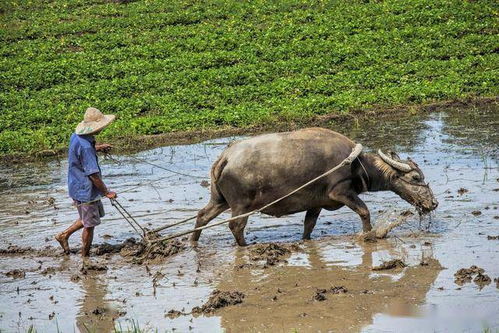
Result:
x=457 y=149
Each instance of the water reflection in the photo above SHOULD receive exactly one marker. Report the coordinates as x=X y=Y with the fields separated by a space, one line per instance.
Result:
x=281 y=298
x=95 y=313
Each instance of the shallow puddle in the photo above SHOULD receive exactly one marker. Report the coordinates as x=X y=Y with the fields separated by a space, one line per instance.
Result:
x=456 y=149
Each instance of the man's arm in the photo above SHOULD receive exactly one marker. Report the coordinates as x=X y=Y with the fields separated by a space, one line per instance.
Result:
x=97 y=181
x=104 y=148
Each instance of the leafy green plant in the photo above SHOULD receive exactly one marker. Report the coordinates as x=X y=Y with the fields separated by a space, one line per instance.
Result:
x=184 y=65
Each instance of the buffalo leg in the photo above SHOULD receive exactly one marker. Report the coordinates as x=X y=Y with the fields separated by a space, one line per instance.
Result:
x=310 y=220
x=237 y=227
x=207 y=214
x=352 y=201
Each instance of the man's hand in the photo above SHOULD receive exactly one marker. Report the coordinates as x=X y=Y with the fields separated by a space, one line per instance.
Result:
x=111 y=195
x=104 y=148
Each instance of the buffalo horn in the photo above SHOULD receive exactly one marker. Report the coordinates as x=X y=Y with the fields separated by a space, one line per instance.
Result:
x=396 y=164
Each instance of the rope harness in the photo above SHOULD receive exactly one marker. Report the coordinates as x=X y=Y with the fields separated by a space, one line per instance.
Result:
x=144 y=233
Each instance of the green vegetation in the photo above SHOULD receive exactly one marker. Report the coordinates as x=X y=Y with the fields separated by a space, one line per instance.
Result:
x=165 y=66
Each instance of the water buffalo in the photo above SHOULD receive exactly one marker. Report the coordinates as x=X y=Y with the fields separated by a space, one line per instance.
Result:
x=253 y=172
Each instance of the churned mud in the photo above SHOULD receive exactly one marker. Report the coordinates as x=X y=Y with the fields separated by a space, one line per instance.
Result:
x=138 y=252
x=129 y=249
x=281 y=283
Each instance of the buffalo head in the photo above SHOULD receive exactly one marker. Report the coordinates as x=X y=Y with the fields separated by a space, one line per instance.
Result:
x=407 y=180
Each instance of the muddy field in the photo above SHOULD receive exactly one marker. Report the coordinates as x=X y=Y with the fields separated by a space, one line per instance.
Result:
x=440 y=273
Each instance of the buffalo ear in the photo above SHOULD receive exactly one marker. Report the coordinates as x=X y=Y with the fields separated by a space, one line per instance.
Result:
x=412 y=161
x=394 y=155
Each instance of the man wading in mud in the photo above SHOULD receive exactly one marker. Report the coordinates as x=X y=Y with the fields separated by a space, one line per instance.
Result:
x=84 y=179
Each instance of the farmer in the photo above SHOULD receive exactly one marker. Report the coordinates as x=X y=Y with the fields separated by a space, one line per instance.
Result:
x=84 y=178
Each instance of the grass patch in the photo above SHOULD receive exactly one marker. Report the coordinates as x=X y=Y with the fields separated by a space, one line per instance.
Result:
x=167 y=66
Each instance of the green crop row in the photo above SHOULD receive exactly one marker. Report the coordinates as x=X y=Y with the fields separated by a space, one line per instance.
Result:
x=164 y=66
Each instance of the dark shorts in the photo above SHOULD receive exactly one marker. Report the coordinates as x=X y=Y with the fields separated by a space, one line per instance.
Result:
x=90 y=213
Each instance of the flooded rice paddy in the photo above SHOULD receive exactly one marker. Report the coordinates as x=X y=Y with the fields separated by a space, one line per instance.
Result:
x=326 y=284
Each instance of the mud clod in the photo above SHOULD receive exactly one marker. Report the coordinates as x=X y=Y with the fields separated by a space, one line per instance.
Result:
x=16 y=274
x=14 y=249
x=462 y=190
x=75 y=278
x=49 y=271
x=338 y=290
x=465 y=275
x=476 y=213
x=219 y=299
x=320 y=294
x=99 y=311
x=271 y=253
x=140 y=253
x=482 y=280
x=173 y=314
x=107 y=248
x=395 y=263
x=86 y=267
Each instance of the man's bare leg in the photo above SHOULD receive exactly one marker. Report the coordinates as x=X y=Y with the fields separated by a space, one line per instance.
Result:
x=63 y=237
x=86 y=237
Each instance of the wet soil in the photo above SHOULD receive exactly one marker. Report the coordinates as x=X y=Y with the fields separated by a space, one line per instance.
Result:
x=279 y=281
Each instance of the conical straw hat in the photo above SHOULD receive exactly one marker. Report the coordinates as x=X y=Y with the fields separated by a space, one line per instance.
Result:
x=93 y=121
